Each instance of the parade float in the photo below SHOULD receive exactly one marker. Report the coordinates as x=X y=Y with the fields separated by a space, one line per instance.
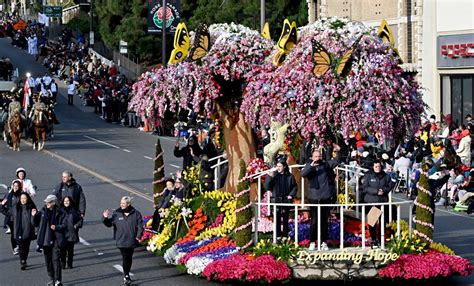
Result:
x=320 y=83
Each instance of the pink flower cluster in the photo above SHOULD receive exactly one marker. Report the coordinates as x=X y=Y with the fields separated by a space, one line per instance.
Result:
x=234 y=54
x=373 y=96
x=219 y=220
x=172 y=87
x=255 y=166
x=429 y=265
x=235 y=51
x=248 y=268
x=147 y=235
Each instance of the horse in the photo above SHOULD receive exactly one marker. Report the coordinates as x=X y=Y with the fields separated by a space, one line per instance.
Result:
x=13 y=130
x=40 y=123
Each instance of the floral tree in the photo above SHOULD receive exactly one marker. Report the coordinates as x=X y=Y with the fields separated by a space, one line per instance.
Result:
x=214 y=83
x=237 y=79
x=372 y=95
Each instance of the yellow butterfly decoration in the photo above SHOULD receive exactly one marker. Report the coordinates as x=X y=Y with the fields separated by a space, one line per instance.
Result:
x=288 y=39
x=385 y=33
x=181 y=44
x=323 y=60
x=201 y=44
x=266 y=31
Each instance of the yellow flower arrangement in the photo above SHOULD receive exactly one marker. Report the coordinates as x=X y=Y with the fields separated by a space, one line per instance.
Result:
x=158 y=241
x=191 y=175
x=441 y=248
x=405 y=244
x=227 y=204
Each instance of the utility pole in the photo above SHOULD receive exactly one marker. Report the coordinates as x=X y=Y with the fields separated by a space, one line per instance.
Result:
x=91 y=32
x=262 y=14
x=163 y=35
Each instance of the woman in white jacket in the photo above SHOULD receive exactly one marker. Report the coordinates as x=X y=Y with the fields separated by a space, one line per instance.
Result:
x=28 y=186
x=464 y=149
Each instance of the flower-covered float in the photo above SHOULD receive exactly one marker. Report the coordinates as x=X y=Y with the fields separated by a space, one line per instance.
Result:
x=338 y=77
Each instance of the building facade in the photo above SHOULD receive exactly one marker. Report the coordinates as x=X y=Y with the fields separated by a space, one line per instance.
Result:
x=434 y=38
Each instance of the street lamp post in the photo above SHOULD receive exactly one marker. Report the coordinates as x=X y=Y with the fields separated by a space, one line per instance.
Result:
x=262 y=14
x=163 y=35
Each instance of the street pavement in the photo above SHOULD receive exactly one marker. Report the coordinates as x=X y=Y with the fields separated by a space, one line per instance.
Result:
x=111 y=161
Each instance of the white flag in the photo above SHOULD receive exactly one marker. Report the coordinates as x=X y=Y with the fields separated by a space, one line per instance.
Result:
x=43 y=19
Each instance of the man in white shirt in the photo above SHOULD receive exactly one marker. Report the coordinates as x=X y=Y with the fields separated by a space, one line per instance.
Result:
x=71 y=91
x=402 y=165
x=47 y=80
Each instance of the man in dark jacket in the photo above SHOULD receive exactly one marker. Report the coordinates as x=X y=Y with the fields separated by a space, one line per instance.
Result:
x=128 y=229
x=70 y=188
x=51 y=237
x=322 y=190
x=376 y=187
x=283 y=186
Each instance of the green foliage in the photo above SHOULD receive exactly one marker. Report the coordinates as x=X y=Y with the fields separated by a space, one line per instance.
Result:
x=211 y=209
x=196 y=203
x=126 y=20
x=441 y=248
x=158 y=176
x=243 y=236
x=286 y=250
x=80 y=23
x=421 y=213
x=295 y=146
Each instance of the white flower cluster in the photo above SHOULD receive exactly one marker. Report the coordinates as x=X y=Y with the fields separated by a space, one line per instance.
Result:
x=196 y=265
x=164 y=212
x=172 y=256
x=175 y=201
x=186 y=212
x=351 y=29
x=225 y=32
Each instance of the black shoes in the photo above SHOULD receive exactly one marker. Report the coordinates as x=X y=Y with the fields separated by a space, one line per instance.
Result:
x=375 y=244
x=23 y=265
x=127 y=280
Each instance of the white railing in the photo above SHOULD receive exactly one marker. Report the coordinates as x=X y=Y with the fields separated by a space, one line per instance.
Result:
x=341 y=208
x=70 y=12
x=216 y=169
x=349 y=170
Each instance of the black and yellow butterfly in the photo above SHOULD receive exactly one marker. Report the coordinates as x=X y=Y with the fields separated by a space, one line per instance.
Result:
x=288 y=39
x=385 y=33
x=201 y=44
x=266 y=31
x=181 y=44
x=323 y=60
